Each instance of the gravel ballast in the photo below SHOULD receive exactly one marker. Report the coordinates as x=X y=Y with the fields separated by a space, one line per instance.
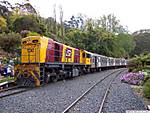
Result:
x=91 y=102
x=122 y=98
x=55 y=97
x=52 y=98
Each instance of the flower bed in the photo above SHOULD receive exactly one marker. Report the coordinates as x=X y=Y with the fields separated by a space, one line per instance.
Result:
x=133 y=78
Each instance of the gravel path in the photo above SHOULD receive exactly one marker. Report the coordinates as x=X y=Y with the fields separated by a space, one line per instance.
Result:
x=55 y=97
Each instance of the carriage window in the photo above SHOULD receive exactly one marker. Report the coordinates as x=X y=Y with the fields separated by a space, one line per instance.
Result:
x=88 y=55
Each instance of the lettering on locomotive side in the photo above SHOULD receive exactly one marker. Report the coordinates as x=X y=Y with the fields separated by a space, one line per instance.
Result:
x=68 y=53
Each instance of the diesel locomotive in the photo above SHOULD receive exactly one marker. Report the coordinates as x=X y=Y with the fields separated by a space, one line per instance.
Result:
x=43 y=60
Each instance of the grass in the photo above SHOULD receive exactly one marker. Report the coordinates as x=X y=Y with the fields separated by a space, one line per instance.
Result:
x=6 y=79
x=146 y=89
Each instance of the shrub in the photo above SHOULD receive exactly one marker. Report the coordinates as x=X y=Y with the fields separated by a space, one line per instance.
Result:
x=30 y=23
x=146 y=89
x=9 y=42
x=33 y=34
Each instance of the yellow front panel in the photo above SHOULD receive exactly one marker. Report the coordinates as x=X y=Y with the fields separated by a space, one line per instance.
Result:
x=30 y=51
x=34 y=52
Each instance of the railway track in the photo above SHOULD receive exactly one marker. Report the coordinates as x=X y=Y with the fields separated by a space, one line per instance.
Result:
x=89 y=89
x=10 y=88
x=106 y=93
x=12 y=91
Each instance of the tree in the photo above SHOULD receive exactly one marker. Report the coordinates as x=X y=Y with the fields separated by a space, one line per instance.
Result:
x=25 y=8
x=3 y=24
x=74 y=22
x=49 y=22
x=61 y=22
x=126 y=42
x=55 y=23
x=4 y=12
x=97 y=40
x=142 y=41
x=28 y=23
x=9 y=42
x=111 y=24
x=75 y=38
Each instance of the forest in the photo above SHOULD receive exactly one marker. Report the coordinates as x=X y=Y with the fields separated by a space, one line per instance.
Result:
x=104 y=35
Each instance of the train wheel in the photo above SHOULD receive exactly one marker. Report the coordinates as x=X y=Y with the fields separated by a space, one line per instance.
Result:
x=54 y=78
x=47 y=77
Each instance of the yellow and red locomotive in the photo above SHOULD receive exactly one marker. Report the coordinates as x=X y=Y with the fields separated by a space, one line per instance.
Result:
x=43 y=60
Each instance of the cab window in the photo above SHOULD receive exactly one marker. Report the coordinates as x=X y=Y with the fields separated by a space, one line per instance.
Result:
x=34 y=41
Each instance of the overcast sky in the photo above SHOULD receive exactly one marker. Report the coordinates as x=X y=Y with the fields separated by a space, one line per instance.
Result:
x=132 y=13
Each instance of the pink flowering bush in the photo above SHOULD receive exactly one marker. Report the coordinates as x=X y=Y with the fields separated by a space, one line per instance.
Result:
x=133 y=78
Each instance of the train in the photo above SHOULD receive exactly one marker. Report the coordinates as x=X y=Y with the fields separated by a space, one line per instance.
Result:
x=43 y=59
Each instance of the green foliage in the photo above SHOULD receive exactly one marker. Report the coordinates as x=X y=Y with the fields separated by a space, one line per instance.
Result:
x=50 y=24
x=28 y=23
x=126 y=42
x=3 y=24
x=7 y=79
x=142 y=41
x=74 y=22
x=111 y=24
x=140 y=63
x=75 y=38
x=9 y=42
x=4 y=12
x=99 y=40
x=33 y=34
x=146 y=89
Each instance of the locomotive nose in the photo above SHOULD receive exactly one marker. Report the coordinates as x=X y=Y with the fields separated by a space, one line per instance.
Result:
x=25 y=80
x=27 y=75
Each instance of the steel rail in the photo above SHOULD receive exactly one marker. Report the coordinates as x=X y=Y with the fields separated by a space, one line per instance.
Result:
x=86 y=92
x=106 y=93
x=8 y=89
x=14 y=93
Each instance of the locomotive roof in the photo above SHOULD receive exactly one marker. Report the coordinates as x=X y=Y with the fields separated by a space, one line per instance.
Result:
x=35 y=37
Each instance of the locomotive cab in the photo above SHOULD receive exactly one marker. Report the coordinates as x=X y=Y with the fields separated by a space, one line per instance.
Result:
x=33 y=49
